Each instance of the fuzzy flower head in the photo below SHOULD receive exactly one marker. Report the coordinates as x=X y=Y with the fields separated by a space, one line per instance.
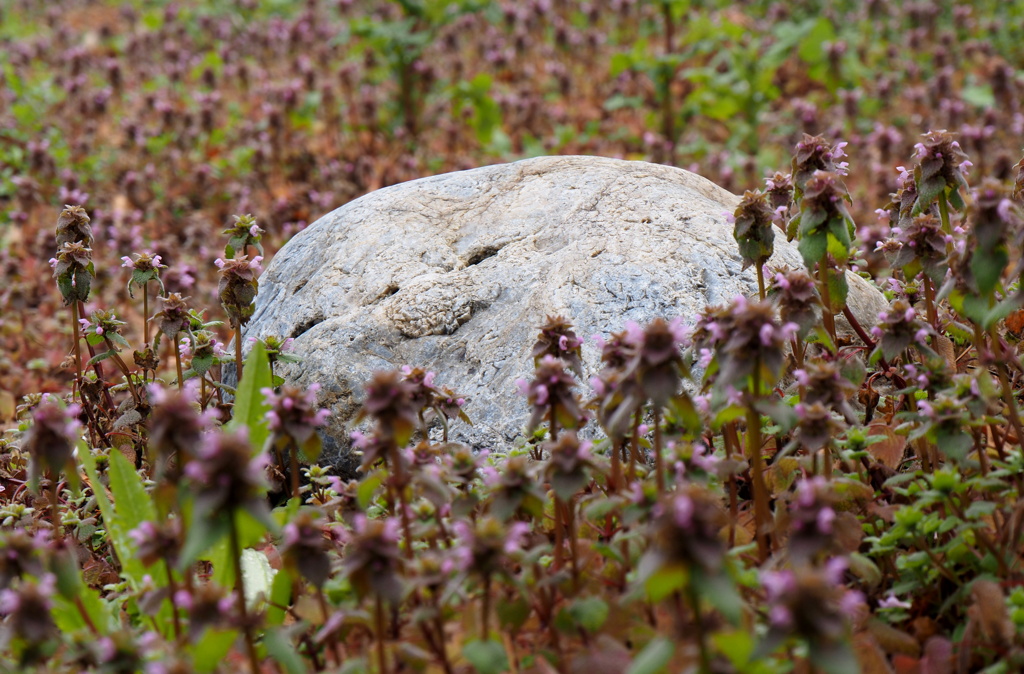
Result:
x=27 y=607
x=568 y=466
x=752 y=228
x=145 y=268
x=779 y=190
x=823 y=214
x=486 y=544
x=173 y=317
x=294 y=417
x=372 y=560
x=686 y=529
x=923 y=247
x=811 y=604
x=303 y=547
x=227 y=475
x=74 y=271
x=73 y=226
x=21 y=554
x=898 y=328
x=812 y=518
x=816 y=426
x=750 y=338
x=515 y=487
x=51 y=439
x=795 y=294
x=176 y=428
x=940 y=170
x=552 y=389
x=157 y=542
x=823 y=381
x=434 y=402
x=812 y=154
x=238 y=286
x=391 y=404
x=243 y=232
x=996 y=226
x=557 y=339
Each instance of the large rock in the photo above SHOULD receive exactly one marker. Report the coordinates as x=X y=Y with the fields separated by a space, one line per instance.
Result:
x=454 y=273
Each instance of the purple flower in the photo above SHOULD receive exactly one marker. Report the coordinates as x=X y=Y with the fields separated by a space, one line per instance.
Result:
x=892 y=601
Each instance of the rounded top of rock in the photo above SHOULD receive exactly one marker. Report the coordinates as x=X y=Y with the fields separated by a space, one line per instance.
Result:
x=454 y=273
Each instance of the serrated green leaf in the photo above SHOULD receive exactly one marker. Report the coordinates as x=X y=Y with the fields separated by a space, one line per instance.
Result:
x=512 y=614
x=280 y=597
x=119 y=519
x=100 y=357
x=589 y=613
x=250 y=407
x=654 y=658
x=487 y=657
x=282 y=651
x=368 y=488
x=812 y=247
x=211 y=649
x=719 y=590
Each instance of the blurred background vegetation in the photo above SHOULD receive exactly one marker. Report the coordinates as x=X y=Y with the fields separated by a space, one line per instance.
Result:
x=164 y=118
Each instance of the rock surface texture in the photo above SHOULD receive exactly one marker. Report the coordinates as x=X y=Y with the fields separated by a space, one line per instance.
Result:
x=455 y=273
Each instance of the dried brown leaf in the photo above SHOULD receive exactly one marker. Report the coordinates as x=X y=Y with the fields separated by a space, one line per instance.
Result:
x=889 y=451
x=870 y=655
x=893 y=640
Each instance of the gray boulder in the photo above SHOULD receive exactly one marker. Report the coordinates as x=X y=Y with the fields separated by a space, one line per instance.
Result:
x=454 y=273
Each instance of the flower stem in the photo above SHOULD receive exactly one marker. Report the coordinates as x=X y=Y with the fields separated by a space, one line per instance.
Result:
x=293 y=457
x=238 y=353
x=236 y=558
x=826 y=300
x=145 y=312
x=174 y=609
x=760 y=279
x=177 y=363
x=78 y=349
x=379 y=615
x=485 y=610
x=698 y=621
x=659 y=468
x=761 y=514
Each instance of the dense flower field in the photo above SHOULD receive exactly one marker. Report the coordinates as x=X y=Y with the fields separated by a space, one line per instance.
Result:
x=765 y=496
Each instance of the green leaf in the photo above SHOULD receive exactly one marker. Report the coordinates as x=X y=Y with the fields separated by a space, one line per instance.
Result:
x=737 y=646
x=99 y=357
x=202 y=535
x=719 y=590
x=250 y=408
x=282 y=651
x=487 y=657
x=213 y=646
x=131 y=506
x=312 y=447
x=512 y=614
x=834 y=657
x=812 y=247
x=258 y=577
x=666 y=580
x=654 y=658
x=988 y=267
x=979 y=95
x=812 y=45
x=250 y=532
x=589 y=613
x=280 y=597
x=368 y=488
